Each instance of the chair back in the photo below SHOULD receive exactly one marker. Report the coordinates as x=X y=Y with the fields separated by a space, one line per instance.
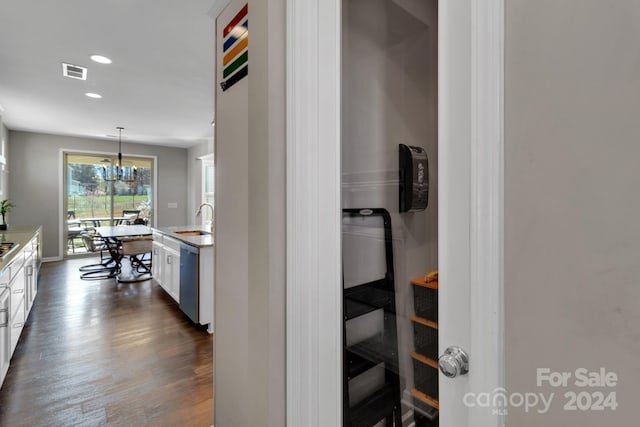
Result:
x=136 y=245
x=127 y=212
x=132 y=214
x=92 y=243
x=71 y=214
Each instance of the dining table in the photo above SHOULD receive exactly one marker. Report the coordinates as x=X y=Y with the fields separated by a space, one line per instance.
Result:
x=113 y=235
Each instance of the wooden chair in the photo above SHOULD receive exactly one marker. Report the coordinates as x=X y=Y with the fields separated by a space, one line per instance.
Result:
x=136 y=248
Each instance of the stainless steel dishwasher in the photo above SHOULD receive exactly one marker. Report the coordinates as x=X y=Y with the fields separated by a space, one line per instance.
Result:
x=189 y=281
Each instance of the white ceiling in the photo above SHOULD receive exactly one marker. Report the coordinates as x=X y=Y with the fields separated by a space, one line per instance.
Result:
x=159 y=87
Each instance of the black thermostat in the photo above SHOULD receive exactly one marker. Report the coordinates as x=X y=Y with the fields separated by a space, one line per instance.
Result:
x=414 y=178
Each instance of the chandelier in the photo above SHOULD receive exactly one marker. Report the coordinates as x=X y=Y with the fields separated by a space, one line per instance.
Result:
x=120 y=172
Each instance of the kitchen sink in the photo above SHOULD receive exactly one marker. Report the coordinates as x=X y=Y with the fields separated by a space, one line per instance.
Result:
x=192 y=232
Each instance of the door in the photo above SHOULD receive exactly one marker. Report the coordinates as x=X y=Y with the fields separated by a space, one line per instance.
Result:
x=466 y=166
x=157 y=263
x=172 y=272
x=5 y=326
x=98 y=191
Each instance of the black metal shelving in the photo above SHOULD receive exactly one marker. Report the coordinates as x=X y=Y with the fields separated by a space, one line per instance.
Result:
x=381 y=349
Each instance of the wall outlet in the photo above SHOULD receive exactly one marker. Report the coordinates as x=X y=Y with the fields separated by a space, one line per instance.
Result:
x=172 y=205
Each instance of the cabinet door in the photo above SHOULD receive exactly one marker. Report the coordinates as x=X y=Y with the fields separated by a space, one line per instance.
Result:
x=172 y=273
x=34 y=275
x=30 y=287
x=157 y=262
x=17 y=324
x=17 y=287
x=5 y=339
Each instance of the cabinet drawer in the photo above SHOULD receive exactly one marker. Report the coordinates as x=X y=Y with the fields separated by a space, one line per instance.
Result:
x=5 y=277
x=29 y=248
x=16 y=264
x=17 y=298
x=17 y=324
x=172 y=243
x=4 y=308
x=157 y=237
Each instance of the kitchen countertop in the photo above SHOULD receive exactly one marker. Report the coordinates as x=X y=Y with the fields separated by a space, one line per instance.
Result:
x=19 y=235
x=199 y=241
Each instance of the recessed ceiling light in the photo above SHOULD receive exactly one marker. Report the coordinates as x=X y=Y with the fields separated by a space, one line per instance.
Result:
x=93 y=95
x=100 y=59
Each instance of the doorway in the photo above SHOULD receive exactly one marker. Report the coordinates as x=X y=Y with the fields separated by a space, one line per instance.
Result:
x=470 y=191
x=97 y=192
x=390 y=212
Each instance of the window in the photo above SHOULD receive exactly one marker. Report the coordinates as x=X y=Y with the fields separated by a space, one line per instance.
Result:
x=207 y=189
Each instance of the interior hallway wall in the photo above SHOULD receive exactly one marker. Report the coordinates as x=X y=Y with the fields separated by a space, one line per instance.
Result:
x=250 y=227
x=34 y=165
x=572 y=235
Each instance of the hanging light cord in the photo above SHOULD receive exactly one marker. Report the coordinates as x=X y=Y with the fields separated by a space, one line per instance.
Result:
x=119 y=167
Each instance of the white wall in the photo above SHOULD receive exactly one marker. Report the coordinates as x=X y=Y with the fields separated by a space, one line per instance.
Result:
x=249 y=233
x=389 y=96
x=34 y=166
x=572 y=249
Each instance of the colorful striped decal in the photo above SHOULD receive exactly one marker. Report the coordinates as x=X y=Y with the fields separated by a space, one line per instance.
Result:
x=242 y=59
x=235 y=49
x=236 y=20
x=231 y=40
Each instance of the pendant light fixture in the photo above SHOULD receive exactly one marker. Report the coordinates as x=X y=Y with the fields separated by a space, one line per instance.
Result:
x=129 y=174
x=119 y=164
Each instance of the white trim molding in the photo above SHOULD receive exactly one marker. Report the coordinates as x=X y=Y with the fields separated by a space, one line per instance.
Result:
x=487 y=203
x=314 y=276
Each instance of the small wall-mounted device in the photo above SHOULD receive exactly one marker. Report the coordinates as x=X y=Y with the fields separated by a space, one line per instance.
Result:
x=414 y=178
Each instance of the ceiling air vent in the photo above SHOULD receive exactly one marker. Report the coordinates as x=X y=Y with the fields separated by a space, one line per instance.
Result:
x=74 y=71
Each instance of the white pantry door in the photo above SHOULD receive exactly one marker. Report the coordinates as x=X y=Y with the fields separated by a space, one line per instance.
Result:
x=471 y=204
x=470 y=145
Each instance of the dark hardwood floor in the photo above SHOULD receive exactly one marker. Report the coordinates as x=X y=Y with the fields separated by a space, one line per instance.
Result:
x=105 y=353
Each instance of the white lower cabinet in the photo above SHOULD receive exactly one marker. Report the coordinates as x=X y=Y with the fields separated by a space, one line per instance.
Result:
x=166 y=271
x=17 y=302
x=5 y=337
x=30 y=283
x=172 y=272
x=165 y=265
x=18 y=289
x=157 y=254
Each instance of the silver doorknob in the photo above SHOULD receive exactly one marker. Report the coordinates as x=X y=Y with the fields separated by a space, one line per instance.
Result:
x=454 y=362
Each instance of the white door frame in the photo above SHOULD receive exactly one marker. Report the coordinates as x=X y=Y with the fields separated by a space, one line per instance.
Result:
x=471 y=77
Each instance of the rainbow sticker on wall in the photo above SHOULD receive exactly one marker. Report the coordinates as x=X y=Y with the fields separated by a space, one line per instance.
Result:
x=235 y=49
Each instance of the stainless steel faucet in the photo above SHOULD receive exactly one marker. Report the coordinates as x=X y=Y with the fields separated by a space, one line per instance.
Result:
x=199 y=212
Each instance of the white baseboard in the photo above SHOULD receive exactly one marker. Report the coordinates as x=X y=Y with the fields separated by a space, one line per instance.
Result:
x=52 y=259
